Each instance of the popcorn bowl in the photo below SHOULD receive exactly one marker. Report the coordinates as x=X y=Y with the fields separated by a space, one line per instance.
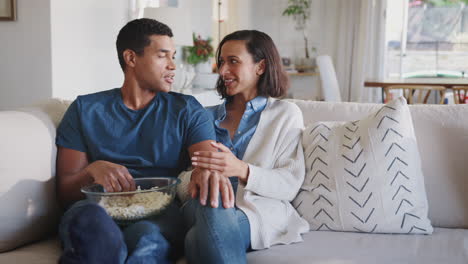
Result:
x=152 y=197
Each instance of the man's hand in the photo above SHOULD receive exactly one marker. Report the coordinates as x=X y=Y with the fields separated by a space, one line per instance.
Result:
x=204 y=181
x=226 y=163
x=74 y=171
x=114 y=177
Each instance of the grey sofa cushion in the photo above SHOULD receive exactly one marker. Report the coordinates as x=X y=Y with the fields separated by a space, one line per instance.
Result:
x=326 y=247
x=43 y=252
x=320 y=247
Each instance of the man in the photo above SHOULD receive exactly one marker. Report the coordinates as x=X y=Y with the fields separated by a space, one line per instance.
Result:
x=138 y=130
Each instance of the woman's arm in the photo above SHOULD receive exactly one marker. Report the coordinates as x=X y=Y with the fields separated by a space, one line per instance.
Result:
x=223 y=161
x=284 y=179
x=282 y=169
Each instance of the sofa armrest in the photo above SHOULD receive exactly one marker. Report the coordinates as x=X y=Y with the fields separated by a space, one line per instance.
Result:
x=27 y=168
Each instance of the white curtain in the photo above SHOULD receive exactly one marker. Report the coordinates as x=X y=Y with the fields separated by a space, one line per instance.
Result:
x=370 y=51
x=353 y=35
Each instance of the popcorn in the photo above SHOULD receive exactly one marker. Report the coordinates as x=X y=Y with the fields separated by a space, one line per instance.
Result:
x=135 y=206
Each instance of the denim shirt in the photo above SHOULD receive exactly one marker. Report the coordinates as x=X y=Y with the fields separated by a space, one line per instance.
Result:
x=245 y=130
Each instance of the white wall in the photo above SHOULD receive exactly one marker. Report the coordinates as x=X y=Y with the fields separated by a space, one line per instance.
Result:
x=84 y=57
x=59 y=48
x=201 y=11
x=266 y=16
x=25 y=55
x=64 y=48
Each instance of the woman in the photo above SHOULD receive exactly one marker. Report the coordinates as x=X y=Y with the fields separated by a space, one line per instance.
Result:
x=259 y=142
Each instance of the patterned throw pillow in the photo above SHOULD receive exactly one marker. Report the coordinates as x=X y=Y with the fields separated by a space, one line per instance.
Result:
x=365 y=175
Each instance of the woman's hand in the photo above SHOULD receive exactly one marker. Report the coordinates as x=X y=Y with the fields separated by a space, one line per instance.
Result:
x=224 y=162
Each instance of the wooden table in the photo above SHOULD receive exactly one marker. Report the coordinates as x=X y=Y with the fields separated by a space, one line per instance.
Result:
x=446 y=82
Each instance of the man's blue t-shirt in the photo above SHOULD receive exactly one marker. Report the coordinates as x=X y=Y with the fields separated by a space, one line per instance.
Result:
x=152 y=141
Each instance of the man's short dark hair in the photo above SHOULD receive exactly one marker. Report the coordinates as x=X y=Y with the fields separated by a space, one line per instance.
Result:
x=274 y=82
x=135 y=36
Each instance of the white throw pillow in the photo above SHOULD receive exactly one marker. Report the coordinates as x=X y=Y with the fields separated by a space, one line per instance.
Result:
x=365 y=175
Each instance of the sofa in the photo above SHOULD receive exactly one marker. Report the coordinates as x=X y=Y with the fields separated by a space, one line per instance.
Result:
x=28 y=222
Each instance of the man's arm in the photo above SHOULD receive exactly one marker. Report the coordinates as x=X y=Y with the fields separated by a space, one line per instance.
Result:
x=74 y=171
x=206 y=183
x=71 y=175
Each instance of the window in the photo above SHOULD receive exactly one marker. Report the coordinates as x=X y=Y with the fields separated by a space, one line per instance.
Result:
x=426 y=39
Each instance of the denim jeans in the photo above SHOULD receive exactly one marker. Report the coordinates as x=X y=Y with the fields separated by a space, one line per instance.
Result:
x=89 y=235
x=215 y=235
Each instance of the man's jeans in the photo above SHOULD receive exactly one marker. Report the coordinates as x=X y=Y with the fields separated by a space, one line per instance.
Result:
x=89 y=235
x=216 y=235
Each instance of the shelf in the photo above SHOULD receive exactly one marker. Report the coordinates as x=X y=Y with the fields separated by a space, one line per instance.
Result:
x=303 y=73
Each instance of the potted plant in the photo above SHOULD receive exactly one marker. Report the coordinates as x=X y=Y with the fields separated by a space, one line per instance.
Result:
x=299 y=10
x=200 y=53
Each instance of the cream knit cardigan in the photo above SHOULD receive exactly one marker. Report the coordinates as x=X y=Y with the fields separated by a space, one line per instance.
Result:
x=276 y=162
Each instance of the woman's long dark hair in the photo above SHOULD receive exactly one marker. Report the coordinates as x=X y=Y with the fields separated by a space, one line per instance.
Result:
x=274 y=82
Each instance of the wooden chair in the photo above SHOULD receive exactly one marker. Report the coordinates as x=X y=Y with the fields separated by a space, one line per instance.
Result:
x=459 y=94
x=420 y=92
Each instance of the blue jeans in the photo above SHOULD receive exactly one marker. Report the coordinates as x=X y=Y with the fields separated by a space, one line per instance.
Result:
x=215 y=235
x=89 y=235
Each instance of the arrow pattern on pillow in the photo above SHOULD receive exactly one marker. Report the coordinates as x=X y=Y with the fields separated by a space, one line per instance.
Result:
x=367 y=218
x=394 y=161
x=386 y=118
x=402 y=187
x=409 y=216
x=320 y=181
x=376 y=156
x=416 y=228
x=318 y=126
x=401 y=203
x=398 y=174
x=352 y=147
x=396 y=171
x=319 y=173
x=352 y=152
x=359 y=204
x=381 y=109
x=317 y=147
x=321 y=197
x=317 y=160
x=359 y=190
x=325 y=212
x=324 y=225
x=299 y=204
x=362 y=231
x=391 y=130
x=321 y=186
x=359 y=173
x=355 y=159
x=321 y=135
x=391 y=146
